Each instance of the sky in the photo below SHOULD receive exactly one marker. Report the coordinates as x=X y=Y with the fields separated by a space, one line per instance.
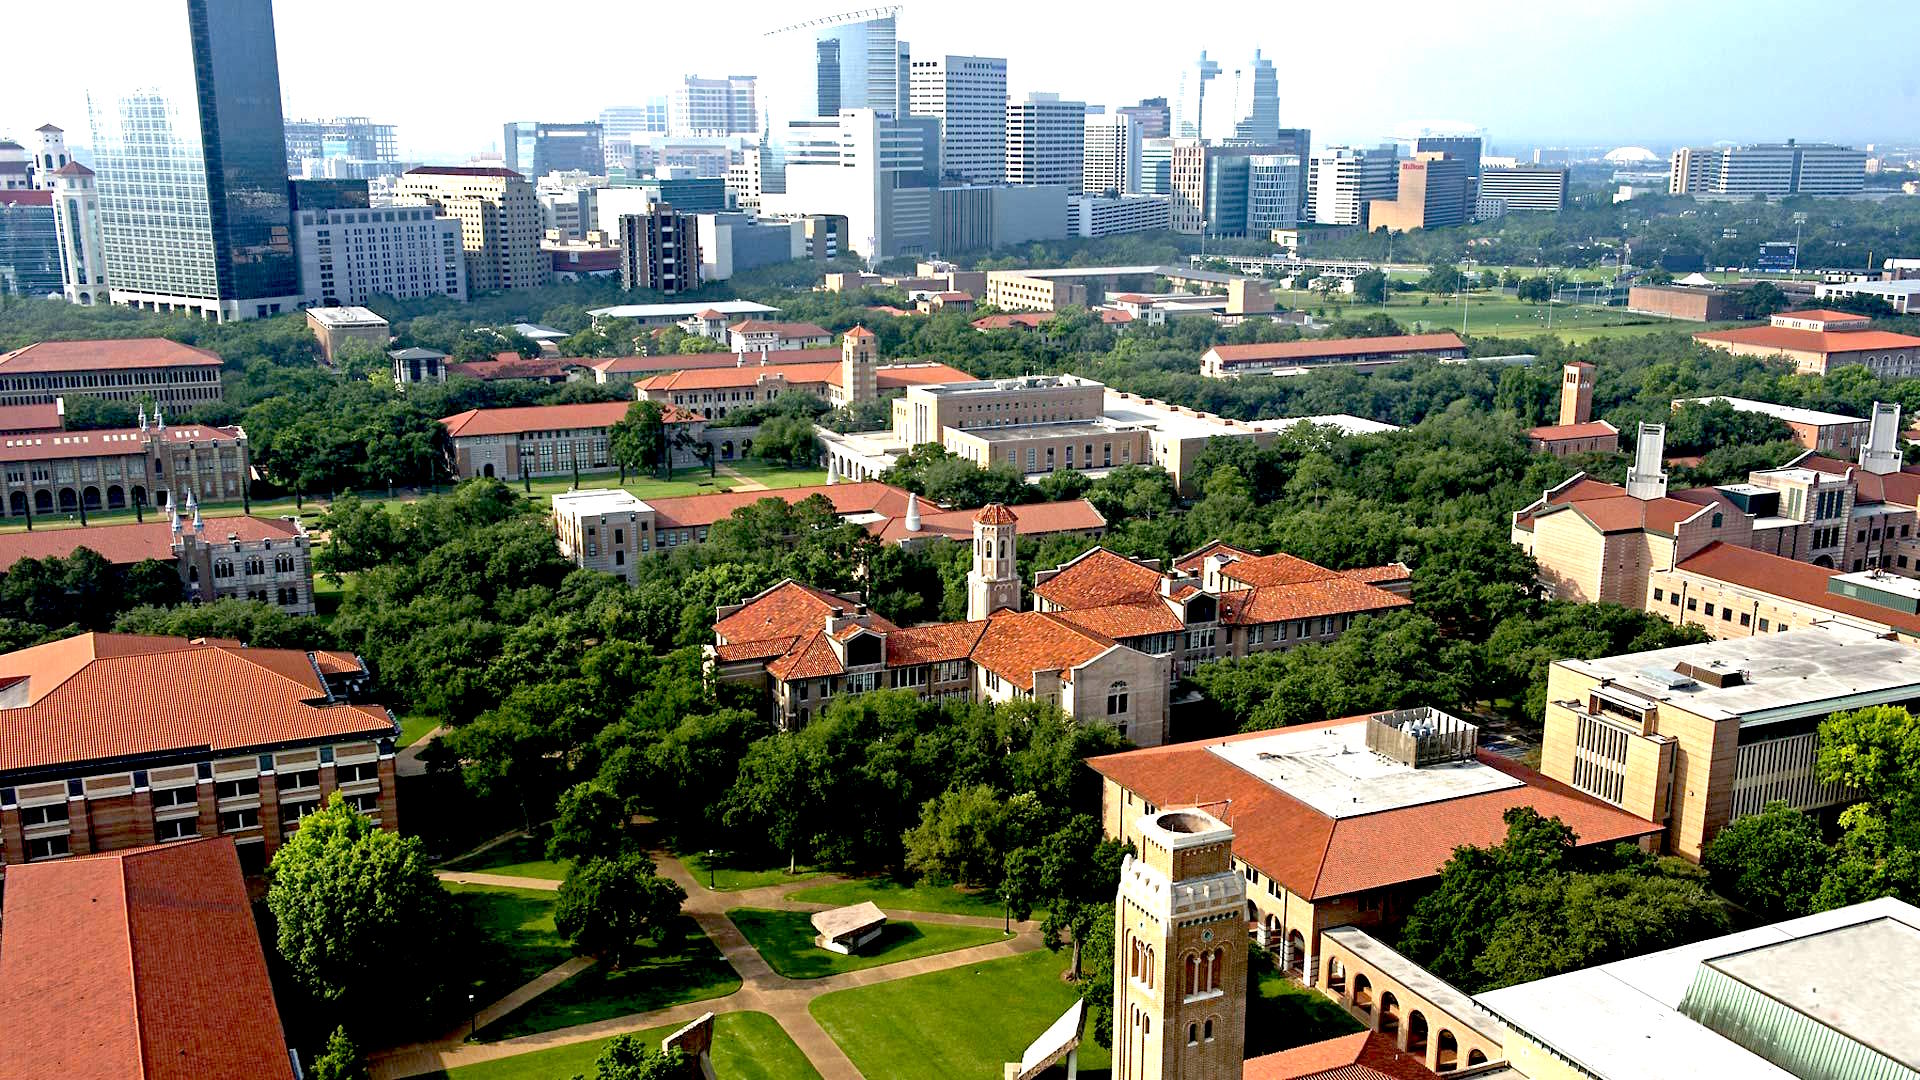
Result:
x=1624 y=72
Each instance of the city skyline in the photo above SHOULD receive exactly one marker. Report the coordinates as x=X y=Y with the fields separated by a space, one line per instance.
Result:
x=1439 y=69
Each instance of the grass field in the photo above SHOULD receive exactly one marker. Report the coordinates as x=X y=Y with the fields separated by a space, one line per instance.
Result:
x=1494 y=315
x=1282 y=1014
x=519 y=941
x=271 y=509
x=746 y=1046
x=728 y=875
x=776 y=477
x=894 y=896
x=413 y=726
x=685 y=967
x=785 y=941
x=522 y=856
x=963 y=1022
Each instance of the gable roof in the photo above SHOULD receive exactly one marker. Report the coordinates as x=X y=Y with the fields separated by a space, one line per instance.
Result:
x=1593 y=429
x=781 y=329
x=1900 y=488
x=512 y=421
x=109 y=442
x=1363 y=1055
x=1309 y=349
x=1099 y=578
x=98 y=696
x=30 y=418
x=1812 y=341
x=508 y=365
x=124 y=545
x=117 y=354
x=623 y=365
x=1016 y=644
x=1790 y=579
x=142 y=963
x=797 y=373
x=1317 y=856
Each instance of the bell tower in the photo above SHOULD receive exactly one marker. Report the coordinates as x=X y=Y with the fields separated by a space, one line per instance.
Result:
x=994 y=582
x=859 y=354
x=1180 y=953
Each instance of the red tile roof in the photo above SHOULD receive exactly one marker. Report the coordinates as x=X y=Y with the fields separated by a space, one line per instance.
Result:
x=863 y=332
x=1034 y=319
x=25 y=197
x=590 y=414
x=1823 y=315
x=783 y=329
x=692 y=511
x=1374 y=575
x=1809 y=341
x=1791 y=579
x=124 y=545
x=33 y=419
x=1100 y=578
x=996 y=514
x=932 y=644
x=96 y=696
x=1125 y=620
x=1018 y=643
x=511 y=366
x=111 y=354
x=53 y=445
x=624 y=365
x=1036 y=519
x=820 y=373
x=1594 y=429
x=1900 y=488
x=1335 y=594
x=1316 y=856
x=143 y=963
x=1315 y=349
x=1364 y=1055
x=788 y=610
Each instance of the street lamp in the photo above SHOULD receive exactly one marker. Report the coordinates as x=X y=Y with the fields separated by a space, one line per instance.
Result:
x=710 y=870
x=473 y=1029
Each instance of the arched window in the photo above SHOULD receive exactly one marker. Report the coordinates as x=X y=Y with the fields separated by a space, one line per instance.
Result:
x=1336 y=975
x=1417 y=1033
x=1149 y=967
x=1446 y=1054
x=1207 y=1033
x=1389 y=1013
x=1475 y=1057
x=1117 y=699
x=1192 y=984
x=1193 y=1034
x=1296 y=952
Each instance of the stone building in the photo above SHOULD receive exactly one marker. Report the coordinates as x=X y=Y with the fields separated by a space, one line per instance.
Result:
x=1819 y=341
x=245 y=558
x=112 y=469
x=160 y=373
x=1577 y=432
x=119 y=740
x=848 y=375
x=544 y=440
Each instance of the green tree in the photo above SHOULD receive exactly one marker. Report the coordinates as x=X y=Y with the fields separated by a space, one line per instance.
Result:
x=1772 y=862
x=1450 y=926
x=786 y=440
x=638 y=441
x=340 y=1060
x=592 y=823
x=1072 y=872
x=771 y=796
x=1370 y=287
x=1534 y=290
x=627 y=1058
x=361 y=920
x=607 y=907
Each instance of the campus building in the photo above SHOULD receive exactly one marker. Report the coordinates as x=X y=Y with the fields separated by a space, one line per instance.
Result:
x=1696 y=736
x=228 y=558
x=541 y=440
x=1814 y=429
x=61 y=472
x=762 y=335
x=1577 y=432
x=1683 y=302
x=333 y=327
x=232 y=741
x=165 y=373
x=1293 y=357
x=1735 y=592
x=660 y=250
x=350 y=254
x=1519 y=188
x=856 y=376
x=1819 y=341
x=499 y=218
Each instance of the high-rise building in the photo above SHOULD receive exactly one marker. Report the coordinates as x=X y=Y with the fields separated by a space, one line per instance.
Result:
x=728 y=106
x=660 y=250
x=1046 y=141
x=1273 y=193
x=1156 y=166
x=1526 y=187
x=1342 y=180
x=352 y=138
x=1190 y=108
x=636 y=121
x=968 y=95
x=194 y=207
x=499 y=221
x=1212 y=187
x=1152 y=115
x=1789 y=168
x=856 y=62
x=1464 y=149
x=76 y=210
x=1111 y=163
x=49 y=157
x=29 y=244
x=1429 y=195
x=877 y=174
x=348 y=254
x=1256 y=102
x=534 y=149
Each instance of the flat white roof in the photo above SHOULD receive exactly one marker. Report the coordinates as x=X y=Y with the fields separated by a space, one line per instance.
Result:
x=346 y=316
x=1331 y=770
x=681 y=311
x=1790 y=413
x=1183 y=424
x=1873 y=288
x=1346 y=422
x=1808 y=672
x=599 y=501
x=1583 y=1015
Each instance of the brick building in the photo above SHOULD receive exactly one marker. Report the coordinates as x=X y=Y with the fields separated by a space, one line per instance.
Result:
x=112 y=469
x=1682 y=302
x=244 y=558
x=1819 y=341
x=853 y=373
x=119 y=740
x=761 y=335
x=1577 y=432
x=1735 y=592
x=144 y=962
x=164 y=374
x=1814 y=429
x=540 y=440
x=1287 y=357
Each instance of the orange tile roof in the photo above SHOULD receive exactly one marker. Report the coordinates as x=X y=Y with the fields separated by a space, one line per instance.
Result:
x=901 y=376
x=996 y=514
x=1126 y=619
x=140 y=963
x=1374 y=575
x=112 y=442
x=116 y=354
x=866 y=497
x=625 y=365
x=511 y=366
x=1279 y=568
x=787 y=610
x=863 y=332
x=1018 y=643
x=127 y=544
x=932 y=644
x=1364 y=1055
x=783 y=329
x=512 y=421
x=98 y=696
x=1900 y=488
x=1194 y=562
x=811 y=658
x=1036 y=519
x=1791 y=579
x=1594 y=429
x=1034 y=319
x=1099 y=578
x=1335 y=594
x=30 y=418
x=825 y=373
x=1316 y=856
x=1824 y=315
x=1314 y=349
x=1809 y=341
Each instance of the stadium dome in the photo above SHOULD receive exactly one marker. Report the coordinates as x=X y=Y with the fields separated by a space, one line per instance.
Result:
x=1631 y=155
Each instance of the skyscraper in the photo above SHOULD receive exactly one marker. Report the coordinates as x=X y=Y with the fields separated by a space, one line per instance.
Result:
x=1046 y=141
x=726 y=106
x=1190 y=108
x=195 y=213
x=1153 y=115
x=1112 y=154
x=1256 y=102
x=856 y=62
x=534 y=149
x=968 y=96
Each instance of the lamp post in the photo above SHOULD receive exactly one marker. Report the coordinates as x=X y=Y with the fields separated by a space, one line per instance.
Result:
x=710 y=870
x=473 y=1029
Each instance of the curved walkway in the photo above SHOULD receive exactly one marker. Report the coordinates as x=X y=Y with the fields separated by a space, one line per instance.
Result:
x=762 y=989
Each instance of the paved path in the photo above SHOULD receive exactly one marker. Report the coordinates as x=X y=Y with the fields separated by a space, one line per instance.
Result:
x=741 y=482
x=504 y=881
x=407 y=762
x=762 y=989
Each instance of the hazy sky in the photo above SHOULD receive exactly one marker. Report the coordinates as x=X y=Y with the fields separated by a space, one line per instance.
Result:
x=1623 y=71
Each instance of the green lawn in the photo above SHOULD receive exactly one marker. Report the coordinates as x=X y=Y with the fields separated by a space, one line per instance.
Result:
x=522 y=856
x=784 y=940
x=963 y=1022
x=775 y=476
x=1282 y=1014
x=270 y=509
x=894 y=896
x=728 y=875
x=413 y=726
x=519 y=941
x=687 y=968
x=746 y=1046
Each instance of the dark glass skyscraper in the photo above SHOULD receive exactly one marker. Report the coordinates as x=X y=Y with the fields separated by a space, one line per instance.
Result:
x=236 y=74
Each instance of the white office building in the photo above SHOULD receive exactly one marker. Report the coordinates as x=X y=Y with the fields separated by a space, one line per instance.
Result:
x=1111 y=162
x=1342 y=180
x=1774 y=169
x=1273 y=193
x=1526 y=187
x=1046 y=141
x=728 y=106
x=349 y=256
x=968 y=96
x=76 y=205
x=875 y=172
x=1090 y=216
x=855 y=61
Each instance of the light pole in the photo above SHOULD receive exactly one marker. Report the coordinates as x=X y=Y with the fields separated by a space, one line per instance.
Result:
x=710 y=870
x=473 y=1029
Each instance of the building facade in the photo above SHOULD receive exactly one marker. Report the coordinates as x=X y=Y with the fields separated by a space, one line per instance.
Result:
x=30 y=252
x=1433 y=193
x=1111 y=164
x=1046 y=141
x=1274 y=196
x=968 y=96
x=83 y=258
x=1770 y=169
x=349 y=256
x=152 y=465
x=1819 y=341
x=499 y=221
x=166 y=373
x=1235 y=361
x=539 y=440
x=535 y=148
x=1343 y=180
x=704 y=107
x=333 y=327
x=660 y=250
x=1526 y=188
x=1682 y=302
x=1109 y=215
x=245 y=558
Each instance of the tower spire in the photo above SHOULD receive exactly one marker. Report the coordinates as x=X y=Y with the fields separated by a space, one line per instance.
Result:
x=994 y=582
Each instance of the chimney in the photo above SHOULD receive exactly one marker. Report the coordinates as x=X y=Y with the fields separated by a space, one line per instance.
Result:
x=1881 y=454
x=913 y=513
x=1576 y=393
x=1647 y=477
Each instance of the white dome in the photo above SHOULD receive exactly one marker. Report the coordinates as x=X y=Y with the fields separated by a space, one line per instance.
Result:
x=1631 y=154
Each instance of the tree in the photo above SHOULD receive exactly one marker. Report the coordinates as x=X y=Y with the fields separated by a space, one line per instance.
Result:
x=591 y=824
x=965 y=833
x=1772 y=862
x=1370 y=287
x=786 y=440
x=341 y=1060
x=1450 y=926
x=1072 y=872
x=360 y=916
x=607 y=907
x=770 y=796
x=638 y=441
x=1534 y=290
x=627 y=1058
